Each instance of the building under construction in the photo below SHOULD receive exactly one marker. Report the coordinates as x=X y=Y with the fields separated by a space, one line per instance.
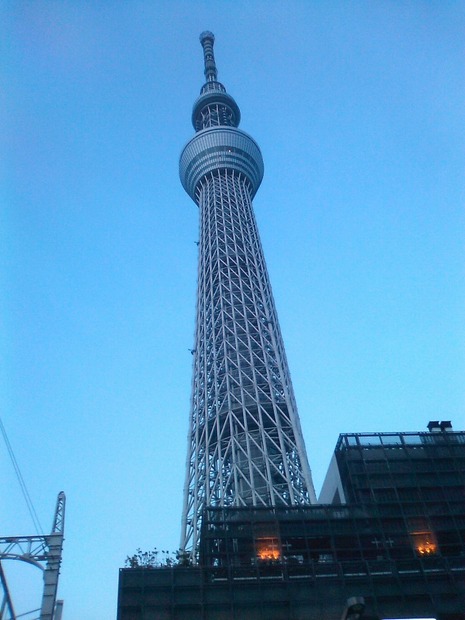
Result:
x=392 y=532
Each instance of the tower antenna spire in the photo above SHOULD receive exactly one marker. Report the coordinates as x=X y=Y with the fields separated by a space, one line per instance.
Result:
x=207 y=40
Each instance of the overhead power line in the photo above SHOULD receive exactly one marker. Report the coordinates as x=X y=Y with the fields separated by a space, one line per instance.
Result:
x=22 y=484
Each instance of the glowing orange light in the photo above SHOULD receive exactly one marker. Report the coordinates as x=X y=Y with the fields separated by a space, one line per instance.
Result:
x=425 y=543
x=267 y=549
x=427 y=548
x=268 y=554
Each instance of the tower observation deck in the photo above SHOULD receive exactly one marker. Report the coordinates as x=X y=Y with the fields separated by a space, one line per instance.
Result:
x=245 y=445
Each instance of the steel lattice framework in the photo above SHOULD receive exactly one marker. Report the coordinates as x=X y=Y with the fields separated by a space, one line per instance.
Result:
x=43 y=551
x=245 y=442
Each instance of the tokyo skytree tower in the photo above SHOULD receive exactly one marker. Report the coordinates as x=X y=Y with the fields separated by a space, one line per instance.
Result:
x=245 y=444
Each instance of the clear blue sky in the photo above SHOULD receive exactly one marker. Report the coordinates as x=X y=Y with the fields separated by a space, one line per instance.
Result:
x=359 y=110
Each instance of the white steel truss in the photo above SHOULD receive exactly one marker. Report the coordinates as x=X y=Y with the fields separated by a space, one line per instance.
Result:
x=245 y=442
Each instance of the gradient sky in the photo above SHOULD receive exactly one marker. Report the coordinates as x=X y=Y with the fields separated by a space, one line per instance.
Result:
x=359 y=110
